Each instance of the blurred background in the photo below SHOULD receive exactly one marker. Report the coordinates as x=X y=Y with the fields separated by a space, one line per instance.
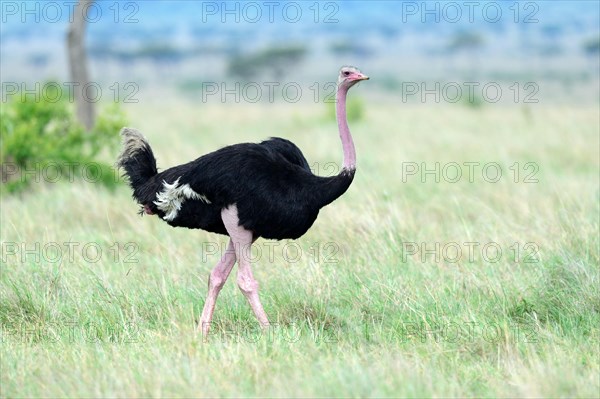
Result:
x=178 y=46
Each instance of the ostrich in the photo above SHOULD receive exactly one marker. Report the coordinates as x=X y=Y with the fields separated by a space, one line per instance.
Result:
x=245 y=191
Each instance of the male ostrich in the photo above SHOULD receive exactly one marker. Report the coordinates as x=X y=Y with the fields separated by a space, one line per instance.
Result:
x=244 y=190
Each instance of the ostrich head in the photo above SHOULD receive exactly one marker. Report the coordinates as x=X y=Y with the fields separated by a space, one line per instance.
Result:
x=349 y=76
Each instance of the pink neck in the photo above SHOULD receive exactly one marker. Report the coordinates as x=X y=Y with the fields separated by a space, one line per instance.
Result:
x=347 y=143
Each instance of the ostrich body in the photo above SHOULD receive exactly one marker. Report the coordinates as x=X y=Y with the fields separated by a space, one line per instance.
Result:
x=245 y=191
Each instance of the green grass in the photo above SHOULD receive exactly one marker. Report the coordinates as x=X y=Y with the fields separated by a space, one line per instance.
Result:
x=357 y=314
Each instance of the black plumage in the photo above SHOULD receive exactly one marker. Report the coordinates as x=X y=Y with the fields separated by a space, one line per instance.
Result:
x=245 y=191
x=276 y=194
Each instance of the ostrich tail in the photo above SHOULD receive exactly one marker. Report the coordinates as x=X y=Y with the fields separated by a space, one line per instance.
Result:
x=136 y=159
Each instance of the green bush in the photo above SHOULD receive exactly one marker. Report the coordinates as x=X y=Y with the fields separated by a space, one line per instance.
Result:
x=592 y=46
x=41 y=131
x=473 y=101
x=355 y=109
x=275 y=61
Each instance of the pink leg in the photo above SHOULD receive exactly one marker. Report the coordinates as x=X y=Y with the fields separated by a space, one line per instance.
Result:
x=216 y=280
x=242 y=241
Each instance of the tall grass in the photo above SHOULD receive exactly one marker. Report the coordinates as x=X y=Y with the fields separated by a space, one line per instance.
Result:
x=358 y=312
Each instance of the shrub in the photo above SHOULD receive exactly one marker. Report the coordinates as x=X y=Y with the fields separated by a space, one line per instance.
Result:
x=592 y=46
x=275 y=61
x=474 y=101
x=40 y=131
x=355 y=109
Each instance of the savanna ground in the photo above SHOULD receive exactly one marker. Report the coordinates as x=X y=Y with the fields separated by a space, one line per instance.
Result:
x=361 y=310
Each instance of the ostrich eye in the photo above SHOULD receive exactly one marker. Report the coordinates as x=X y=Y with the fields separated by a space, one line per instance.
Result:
x=346 y=73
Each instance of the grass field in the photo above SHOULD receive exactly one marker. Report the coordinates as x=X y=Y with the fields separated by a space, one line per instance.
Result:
x=375 y=300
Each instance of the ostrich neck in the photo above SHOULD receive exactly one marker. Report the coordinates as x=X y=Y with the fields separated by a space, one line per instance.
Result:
x=345 y=136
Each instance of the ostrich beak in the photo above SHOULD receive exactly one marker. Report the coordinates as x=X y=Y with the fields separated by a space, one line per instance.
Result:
x=360 y=76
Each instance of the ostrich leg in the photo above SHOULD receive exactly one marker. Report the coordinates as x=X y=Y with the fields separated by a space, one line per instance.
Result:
x=216 y=280
x=242 y=240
